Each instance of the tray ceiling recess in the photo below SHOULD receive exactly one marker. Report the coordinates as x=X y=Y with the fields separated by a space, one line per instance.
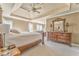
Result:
x=33 y=11
x=33 y=8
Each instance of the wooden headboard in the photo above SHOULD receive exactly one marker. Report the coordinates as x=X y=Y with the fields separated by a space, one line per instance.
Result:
x=1 y=41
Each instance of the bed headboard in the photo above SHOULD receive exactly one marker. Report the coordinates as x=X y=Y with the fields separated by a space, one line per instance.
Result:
x=1 y=41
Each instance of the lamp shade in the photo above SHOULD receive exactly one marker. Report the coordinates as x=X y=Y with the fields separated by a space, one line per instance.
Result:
x=4 y=28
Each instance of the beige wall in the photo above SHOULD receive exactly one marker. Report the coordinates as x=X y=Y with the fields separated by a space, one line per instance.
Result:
x=0 y=14
x=22 y=25
x=34 y=26
x=73 y=20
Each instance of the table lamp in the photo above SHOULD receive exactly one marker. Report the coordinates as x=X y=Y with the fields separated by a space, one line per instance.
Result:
x=4 y=30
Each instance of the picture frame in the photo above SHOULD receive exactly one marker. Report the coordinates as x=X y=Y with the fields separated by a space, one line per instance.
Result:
x=59 y=25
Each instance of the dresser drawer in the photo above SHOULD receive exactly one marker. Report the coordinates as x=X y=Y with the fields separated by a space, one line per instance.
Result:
x=60 y=37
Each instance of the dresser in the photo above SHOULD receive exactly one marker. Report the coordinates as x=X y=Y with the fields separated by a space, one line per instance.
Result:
x=10 y=52
x=60 y=37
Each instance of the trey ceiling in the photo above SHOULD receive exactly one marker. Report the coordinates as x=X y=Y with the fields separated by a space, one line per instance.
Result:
x=25 y=10
x=46 y=9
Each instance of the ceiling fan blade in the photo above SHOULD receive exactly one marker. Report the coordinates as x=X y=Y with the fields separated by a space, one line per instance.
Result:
x=33 y=5
x=34 y=9
x=38 y=8
x=25 y=9
x=37 y=11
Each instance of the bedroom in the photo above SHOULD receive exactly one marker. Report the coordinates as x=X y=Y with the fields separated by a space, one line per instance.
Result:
x=32 y=24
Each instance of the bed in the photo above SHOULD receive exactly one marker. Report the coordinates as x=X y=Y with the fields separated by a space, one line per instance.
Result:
x=24 y=40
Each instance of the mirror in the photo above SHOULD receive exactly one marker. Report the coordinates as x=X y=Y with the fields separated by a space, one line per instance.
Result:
x=59 y=25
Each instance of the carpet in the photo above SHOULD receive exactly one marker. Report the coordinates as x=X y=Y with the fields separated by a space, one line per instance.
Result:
x=42 y=50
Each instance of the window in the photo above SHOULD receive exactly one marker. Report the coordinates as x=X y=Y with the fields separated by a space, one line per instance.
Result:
x=39 y=27
x=30 y=27
x=8 y=22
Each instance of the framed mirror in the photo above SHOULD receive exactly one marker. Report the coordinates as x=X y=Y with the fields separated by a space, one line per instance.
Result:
x=59 y=25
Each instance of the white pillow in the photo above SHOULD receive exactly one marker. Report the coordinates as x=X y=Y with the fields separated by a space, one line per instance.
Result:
x=15 y=31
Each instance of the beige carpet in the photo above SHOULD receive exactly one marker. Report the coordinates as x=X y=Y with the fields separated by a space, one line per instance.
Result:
x=41 y=50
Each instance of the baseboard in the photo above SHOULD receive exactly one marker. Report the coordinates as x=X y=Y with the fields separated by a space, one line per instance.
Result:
x=74 y=44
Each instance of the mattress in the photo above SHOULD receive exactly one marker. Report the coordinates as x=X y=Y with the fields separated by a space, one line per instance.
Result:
x=23 y=38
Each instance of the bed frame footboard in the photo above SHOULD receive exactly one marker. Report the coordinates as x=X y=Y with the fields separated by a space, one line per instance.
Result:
x=27 y=46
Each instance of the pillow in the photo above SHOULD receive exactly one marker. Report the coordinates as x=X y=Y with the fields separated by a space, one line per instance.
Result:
x=14 y=31
x=39 y=31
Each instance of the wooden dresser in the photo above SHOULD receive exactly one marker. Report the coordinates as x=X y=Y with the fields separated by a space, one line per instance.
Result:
x=60 y=37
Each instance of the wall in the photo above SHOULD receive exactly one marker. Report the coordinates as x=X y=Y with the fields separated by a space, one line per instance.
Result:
x=73 y=20
x=34 y=26
x=0 y=14
x=21 y=25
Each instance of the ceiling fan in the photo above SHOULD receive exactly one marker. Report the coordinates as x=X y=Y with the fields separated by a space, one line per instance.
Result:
x=33 y=8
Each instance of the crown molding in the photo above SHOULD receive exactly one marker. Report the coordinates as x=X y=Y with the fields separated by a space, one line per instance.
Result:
x=65 y=13
x=20 y=16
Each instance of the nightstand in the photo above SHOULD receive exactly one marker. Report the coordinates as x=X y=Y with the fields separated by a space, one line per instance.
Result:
x=11 y=52
x=15 y=52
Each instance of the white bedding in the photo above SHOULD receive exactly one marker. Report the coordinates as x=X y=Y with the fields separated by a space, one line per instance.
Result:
x=24 y=38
